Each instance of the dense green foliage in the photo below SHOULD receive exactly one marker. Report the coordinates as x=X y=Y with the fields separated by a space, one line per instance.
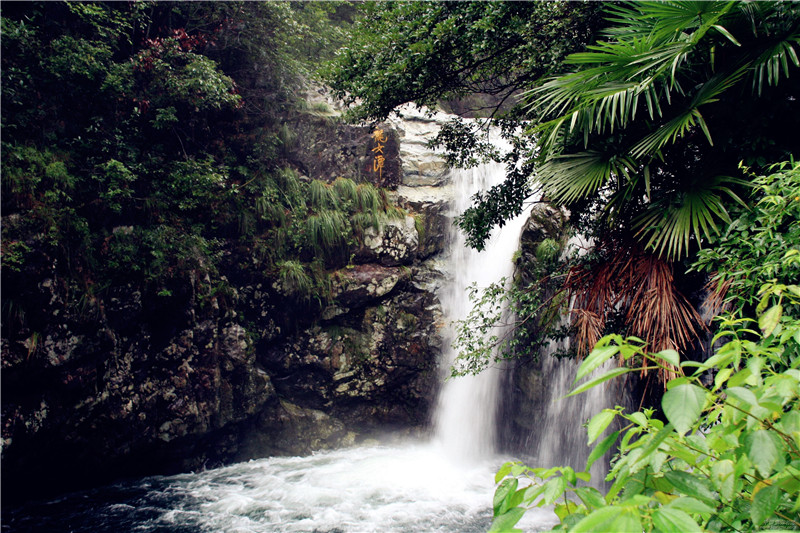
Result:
x=424 y=52
x=723 y=454
x=635 y=116
x=144 y=142
x=641 y=135
x=652 y=123
x=477 y=55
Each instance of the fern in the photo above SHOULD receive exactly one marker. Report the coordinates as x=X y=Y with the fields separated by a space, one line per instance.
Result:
x=322 y=195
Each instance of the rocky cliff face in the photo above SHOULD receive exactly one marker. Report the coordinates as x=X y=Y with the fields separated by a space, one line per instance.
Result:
x=140 y=382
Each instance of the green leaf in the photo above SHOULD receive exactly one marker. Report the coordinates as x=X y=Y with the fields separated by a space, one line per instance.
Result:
x=503 y=494
x=601 y=449
x=762 y=451
x=670 y=520
x=769 y=320
x=596 y=381
x=591 y=497
x=683 y=405
x=653 y=442
x=690 y=485
x=553 y=490
x=723 y=477
x=503 y=472
x=727 y=34
x=639 y=418
x=765 y=501
x=599 y=423
x=691 y=505
x=595 y=359
x=742 y=394
x=670 y=356
x=506 y=521
x=616 y=519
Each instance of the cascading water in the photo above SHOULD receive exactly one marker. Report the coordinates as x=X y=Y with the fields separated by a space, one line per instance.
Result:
x=465 y=417
x=559 y=438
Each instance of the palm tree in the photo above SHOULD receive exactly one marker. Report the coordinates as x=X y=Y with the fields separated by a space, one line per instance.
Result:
x=644 y=135
x=638 y=107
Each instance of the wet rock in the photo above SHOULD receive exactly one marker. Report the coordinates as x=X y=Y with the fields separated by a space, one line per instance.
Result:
x=431 y=207
x=133 y=379
x=422 y=167
x=356 y=286
x=394 y=243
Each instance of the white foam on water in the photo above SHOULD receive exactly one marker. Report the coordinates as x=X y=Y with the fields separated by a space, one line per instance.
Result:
x=414 y=487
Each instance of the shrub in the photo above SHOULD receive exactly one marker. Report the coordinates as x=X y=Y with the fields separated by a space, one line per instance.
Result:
x=724 y=452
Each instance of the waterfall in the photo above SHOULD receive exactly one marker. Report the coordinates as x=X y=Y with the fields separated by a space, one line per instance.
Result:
x=466 y=421
x=559 y=437
x=465 y=417
x=443 y=486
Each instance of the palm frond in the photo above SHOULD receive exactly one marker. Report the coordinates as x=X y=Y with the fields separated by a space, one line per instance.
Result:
x=668 y=133
x=678 y=126
x=666 y=20
x=638 y=283
x=588 y=330
x=569 y=177
x=774 y=61
x=657 y=311
x=670 y=225
x=659 y=19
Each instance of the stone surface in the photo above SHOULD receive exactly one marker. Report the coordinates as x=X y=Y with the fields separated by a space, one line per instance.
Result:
x=431 y=206
x=421 y=166
x=394 y=243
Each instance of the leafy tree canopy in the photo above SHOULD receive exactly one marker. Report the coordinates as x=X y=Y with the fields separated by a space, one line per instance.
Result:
x=424 y=52
x=640 y=134
x=142 y=139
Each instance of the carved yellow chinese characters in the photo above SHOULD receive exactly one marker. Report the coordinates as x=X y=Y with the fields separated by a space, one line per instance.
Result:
x=380 y=139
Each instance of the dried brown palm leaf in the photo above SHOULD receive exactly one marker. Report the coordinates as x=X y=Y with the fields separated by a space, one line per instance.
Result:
x=643 y=286
x=658 y=312
x=715 y=303
x=589 y=327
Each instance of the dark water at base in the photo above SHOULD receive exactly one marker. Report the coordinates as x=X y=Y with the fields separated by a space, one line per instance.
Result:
x=358 y=490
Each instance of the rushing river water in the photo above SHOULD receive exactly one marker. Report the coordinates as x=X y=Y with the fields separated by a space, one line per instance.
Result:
x=443 y=485
x=408 y=488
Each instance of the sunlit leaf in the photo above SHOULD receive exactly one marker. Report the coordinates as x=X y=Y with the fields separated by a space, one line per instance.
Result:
x=595 y=359
x=770 y=319
x=599 y=423
x=619 y=520
x=670 y=520
x=765 y=501
x=762 y=451
x=683 y=405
